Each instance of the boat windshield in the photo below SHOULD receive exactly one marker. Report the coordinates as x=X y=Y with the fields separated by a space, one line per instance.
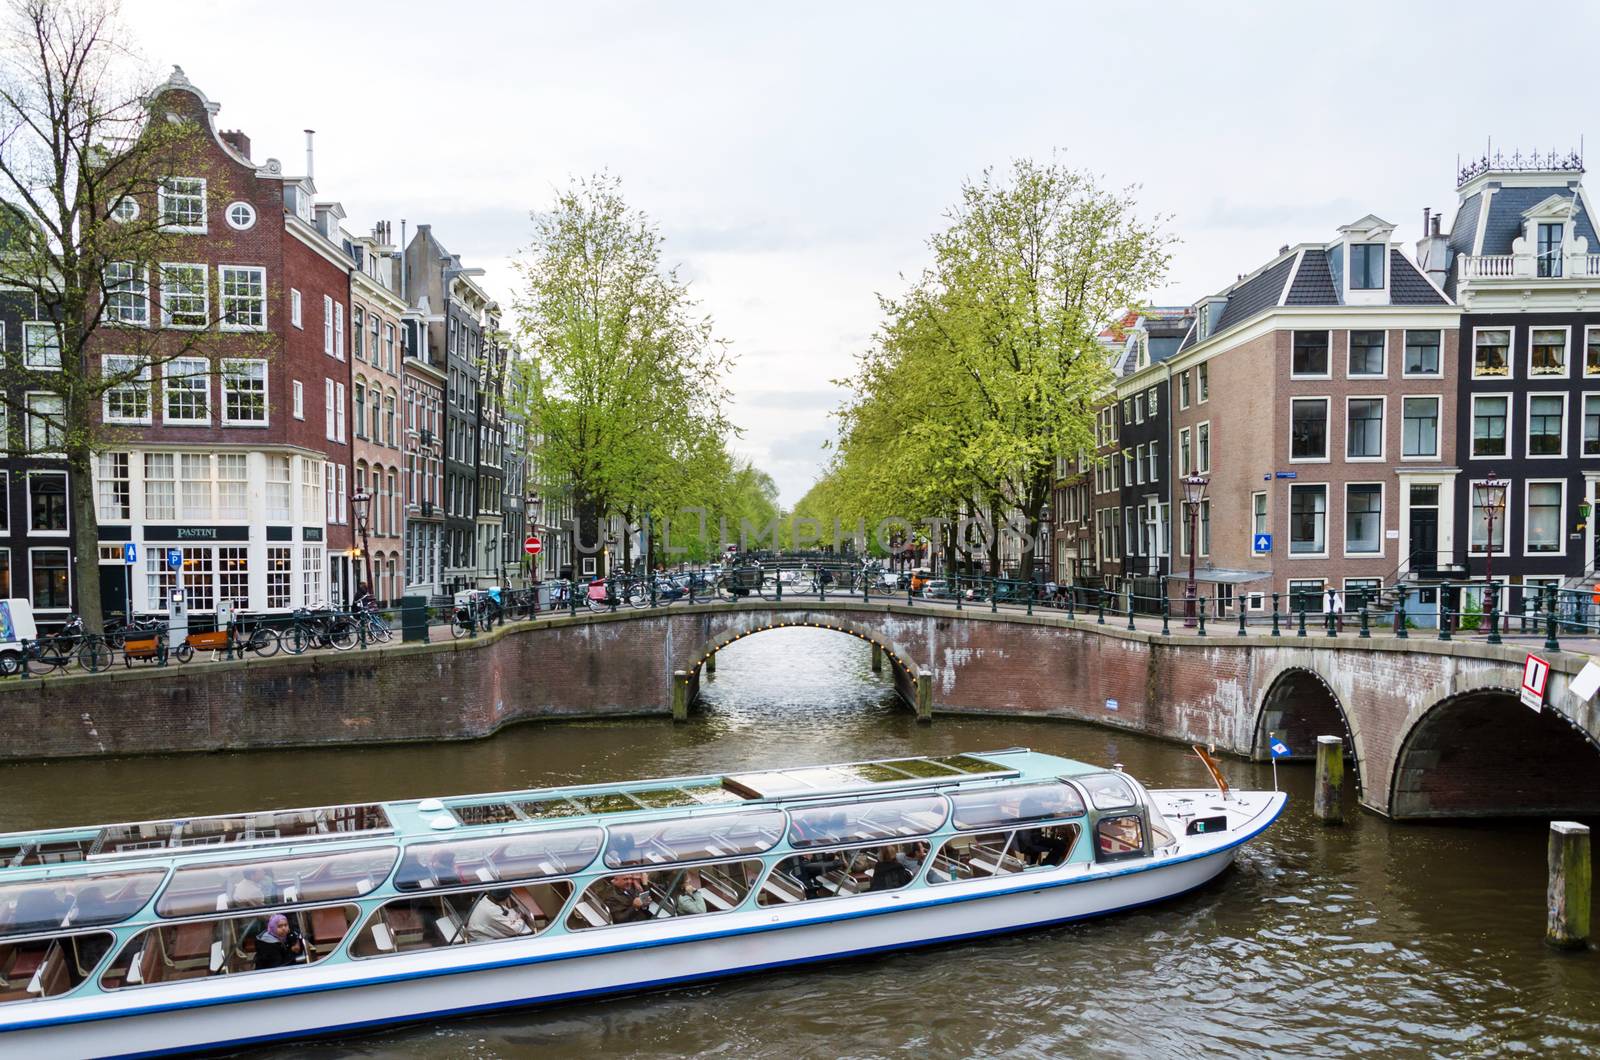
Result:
x=1161 y=832
x=325 y=822
x=1108 y=791
x=1000 y=807
x=693 y=839
x=861 y=822
x=506 y=858
x=31 y=906
x=213 y=888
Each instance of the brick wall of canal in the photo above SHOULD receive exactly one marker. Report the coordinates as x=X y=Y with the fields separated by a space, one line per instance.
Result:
x=1395 y=701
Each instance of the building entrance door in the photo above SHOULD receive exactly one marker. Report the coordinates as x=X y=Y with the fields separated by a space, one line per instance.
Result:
x=1423 y=529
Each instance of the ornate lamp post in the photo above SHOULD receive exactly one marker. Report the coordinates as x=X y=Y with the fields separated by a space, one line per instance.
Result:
x=1489 y=496
x=1194 y=492
x=359 y=503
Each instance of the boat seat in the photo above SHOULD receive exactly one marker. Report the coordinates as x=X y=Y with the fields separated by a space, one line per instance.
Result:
x=328 y=926
x=191 y=945
x=527 y=904
x=591 y=915
x=404 y=923
x=25 y=961
x=715 y=900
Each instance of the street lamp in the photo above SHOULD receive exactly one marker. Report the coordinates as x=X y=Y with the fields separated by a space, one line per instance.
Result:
x=533 y=505
x=359 y=503
x=1194 y=493
x=1489 y=496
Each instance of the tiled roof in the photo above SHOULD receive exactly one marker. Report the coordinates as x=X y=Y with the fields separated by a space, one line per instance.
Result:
x=1505 y=221
x=1313 y=284
x=1255 y=295
x=1465 y=229
x=1407 y=286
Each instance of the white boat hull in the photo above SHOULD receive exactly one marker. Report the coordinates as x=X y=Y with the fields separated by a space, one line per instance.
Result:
x=346 y=997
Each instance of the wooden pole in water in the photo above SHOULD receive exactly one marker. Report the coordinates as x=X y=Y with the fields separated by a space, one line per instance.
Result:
x=924 y=696
x=680 y=695
x=1570 y=886
x=711 y=663
x=877 y=658
x=1328 y=804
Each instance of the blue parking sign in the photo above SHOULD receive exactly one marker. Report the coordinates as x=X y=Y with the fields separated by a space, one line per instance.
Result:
x=130 y=553
x=174 y=558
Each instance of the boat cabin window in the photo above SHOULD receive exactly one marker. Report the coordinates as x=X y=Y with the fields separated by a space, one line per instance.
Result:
x=49 y=967
x=557 y=807
x=859 y=822
x=464 y=862
x=199 y=949
x=998 y=807
x=31 y=906
x=58 y=851
x=461 y=918
x=840 y=873
x=1119 y=837
x=1108 y=791
x=633 y=897
x=198 y=889
x=318 y=823
x=983 y=854
x=693 y=839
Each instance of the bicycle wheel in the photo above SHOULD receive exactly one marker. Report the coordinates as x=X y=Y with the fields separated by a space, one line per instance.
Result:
x=343 y=634
x=379 y=630
x=263 y=642
x=297 y=640
x=42 y=660
x=458 y=628
x=94 y=655
x=184 y=652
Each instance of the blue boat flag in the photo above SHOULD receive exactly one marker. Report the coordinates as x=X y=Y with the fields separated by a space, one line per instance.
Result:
x=1279 y=749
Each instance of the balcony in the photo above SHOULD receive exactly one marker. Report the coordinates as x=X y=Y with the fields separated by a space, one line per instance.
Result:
x=1539 y=267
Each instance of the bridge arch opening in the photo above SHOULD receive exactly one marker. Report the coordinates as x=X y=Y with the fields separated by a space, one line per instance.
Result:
x=1483 y=754
x=1299 y=705
x=897 y=665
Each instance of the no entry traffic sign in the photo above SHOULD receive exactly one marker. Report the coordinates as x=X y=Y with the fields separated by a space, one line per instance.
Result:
x=1535 y=672
x=533 y=546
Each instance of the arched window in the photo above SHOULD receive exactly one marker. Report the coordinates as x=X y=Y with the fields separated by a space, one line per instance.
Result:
x=361 y=408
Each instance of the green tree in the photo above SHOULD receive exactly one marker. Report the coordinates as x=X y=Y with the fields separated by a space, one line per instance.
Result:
x=625 y=378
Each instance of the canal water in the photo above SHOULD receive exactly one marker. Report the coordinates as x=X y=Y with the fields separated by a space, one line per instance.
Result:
x=1371 y=938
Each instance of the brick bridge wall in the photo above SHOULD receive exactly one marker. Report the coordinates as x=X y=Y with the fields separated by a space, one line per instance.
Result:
x=1218 y=689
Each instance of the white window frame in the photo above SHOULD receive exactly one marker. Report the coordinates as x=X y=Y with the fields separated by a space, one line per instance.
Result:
x=266 y=402
x=185 y=368
x=1511 y=352
x=1202 y=383
x=299 y=409
x=1583 y=415
x=1266 y=520
x=1328 y=333
x=1199 y=468
x=1383 y=264
x=1438 y=415
x=1566 y=352
x=46 y=363
x=1505 y=524
x=296 y=309
x=126 y=360
x=1154 y=470
x=1527 y=413
x=161 y=207
x=133 y=285
x=1561 y=523
x=1590 y=333
x=341 y=399
x=1185 y=390
x=1327 y=516
x=338 y=330
x=1405 y=342
x=1185 y=452
x=248 y=223
x=115 y=211
x=205 y=295
x=29 y=594
x=327 y=324
x=328 y=415
x=1472 y=426
x=1383 y=517
x=1349 y=348
x=27 y=507
x=224 y=323
x=28 y=422
x=1327 y=429
x=1383 y=429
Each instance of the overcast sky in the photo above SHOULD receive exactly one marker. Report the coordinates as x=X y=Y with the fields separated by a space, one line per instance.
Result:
x=797 y=157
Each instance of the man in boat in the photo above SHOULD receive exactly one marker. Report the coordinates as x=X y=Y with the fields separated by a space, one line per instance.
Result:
x=630 y=897
x=277 y=946
x=493 y=917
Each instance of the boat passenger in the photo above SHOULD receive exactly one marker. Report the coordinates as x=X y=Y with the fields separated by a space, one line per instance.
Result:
x=443 y=870
x=890 y=872
x=493 y=917
x=691 y=897
x=812 y=867
x=256 y=887
x=1039 y=846
x=40 y=908
x=630 y=897
x=277 y=946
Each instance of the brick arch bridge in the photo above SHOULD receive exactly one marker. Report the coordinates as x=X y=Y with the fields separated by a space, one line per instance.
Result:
x=1434 y=728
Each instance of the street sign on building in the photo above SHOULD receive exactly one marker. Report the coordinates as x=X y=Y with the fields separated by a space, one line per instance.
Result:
x=533 y=546
x=130 y=553
x=1263 y=543
x=1535 y=674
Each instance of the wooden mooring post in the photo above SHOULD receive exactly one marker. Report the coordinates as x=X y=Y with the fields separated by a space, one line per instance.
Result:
x=1328 y=802
x=877 y=658
x=711 y=663
x=680 y=695
x=1570 y=886
x=924 y=696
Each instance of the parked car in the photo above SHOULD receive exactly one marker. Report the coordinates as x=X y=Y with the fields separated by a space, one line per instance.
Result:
x=938 y=589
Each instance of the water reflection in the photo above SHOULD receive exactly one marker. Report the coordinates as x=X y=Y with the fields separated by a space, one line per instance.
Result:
x=1367 y=938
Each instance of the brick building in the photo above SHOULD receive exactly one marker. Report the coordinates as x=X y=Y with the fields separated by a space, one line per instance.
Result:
x=238 y=458
x=376 y=329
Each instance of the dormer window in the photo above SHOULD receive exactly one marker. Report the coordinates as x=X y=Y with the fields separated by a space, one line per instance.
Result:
x=1366 y=266
x=1549 y=249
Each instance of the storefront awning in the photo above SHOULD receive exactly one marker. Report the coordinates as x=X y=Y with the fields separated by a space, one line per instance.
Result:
x=1224 y=576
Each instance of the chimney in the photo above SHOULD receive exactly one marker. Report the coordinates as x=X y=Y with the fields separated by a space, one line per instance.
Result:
x=237 y=140
x=310 y=168
x=1434 y=231
x=1433 y=249
x=1427 y=228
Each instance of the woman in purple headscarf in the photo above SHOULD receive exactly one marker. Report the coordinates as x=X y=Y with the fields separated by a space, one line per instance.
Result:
x=277 y=945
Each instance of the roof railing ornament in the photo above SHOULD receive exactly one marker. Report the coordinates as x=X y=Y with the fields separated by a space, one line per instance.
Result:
x=1533 y=162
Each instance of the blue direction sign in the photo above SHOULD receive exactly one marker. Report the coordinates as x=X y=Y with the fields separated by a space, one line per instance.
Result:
x=130 y=553
x=1287 y=474
x=174 y=558
x=1262 y=543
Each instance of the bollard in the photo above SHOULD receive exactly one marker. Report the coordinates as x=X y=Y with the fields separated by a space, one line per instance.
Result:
x=1200 y=610
x=1243 y=606
x=1570 y=888
x=924 y=696
x=1302 y=631
x=1100 y=606
x=1400 y=617
x=1072 y=605
x=1276 y=632
x=1328 y=804
x=1166 y=616
x=1494 y=617
x=1444 y=618
x=711 y=663
x=680 y=695
x=877 y=657
x=994 y=597
x=1366 y=629
x=1550 y=641
x=1031 y=588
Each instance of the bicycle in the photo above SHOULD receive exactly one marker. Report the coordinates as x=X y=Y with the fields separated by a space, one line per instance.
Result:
x=477 y=612
x=325 y=630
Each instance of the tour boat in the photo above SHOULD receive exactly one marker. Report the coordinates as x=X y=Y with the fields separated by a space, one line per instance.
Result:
x=145 y=938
